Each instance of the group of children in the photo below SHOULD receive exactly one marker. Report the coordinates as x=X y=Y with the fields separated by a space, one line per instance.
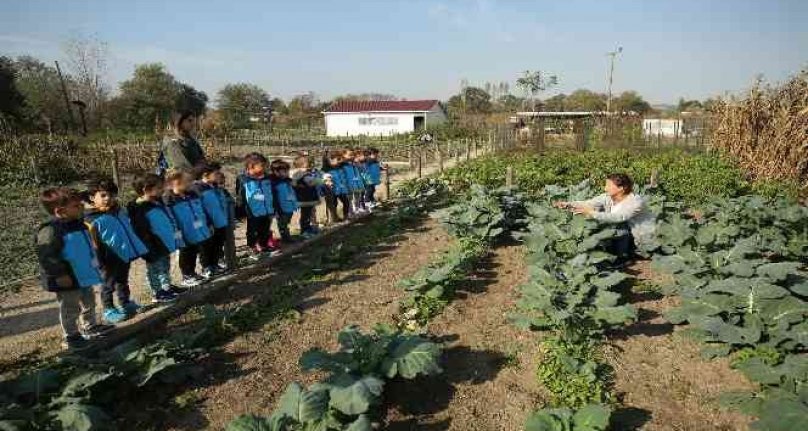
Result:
x=91 y=239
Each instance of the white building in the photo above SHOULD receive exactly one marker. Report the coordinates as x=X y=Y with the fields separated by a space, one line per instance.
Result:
x=667 y=128
x=381 y=117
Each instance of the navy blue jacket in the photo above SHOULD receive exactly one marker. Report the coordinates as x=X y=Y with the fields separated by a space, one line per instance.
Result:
x=66 y=248
x=154 y=223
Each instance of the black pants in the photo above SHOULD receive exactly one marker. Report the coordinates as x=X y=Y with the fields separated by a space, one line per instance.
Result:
x=188 y=259
x=258 y=229
x=116 y=280
x=306 y=216
x=331 y=201
x=622 y=245
x=370 y=193
x=284 y=219
x=212 y=250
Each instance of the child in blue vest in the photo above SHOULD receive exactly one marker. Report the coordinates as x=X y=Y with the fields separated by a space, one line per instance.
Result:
x=373 y=169
x=285 y=199
x=353 y=178
x=254 y=200
x=187 y=209
x=118 y=246
x=216 y=205
x=336 y=188
x=307 y=182
x=154 y=223
x=69 y=265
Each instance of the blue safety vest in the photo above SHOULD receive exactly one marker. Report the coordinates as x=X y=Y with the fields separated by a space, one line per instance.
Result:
x=286 y=196
x=352 y=177
x=164 y=226
x=338 y=178
x=215 y=205
x=79 y=253
x=374 y=171
x=257 y=195
x=114 y=230
x=191 y=218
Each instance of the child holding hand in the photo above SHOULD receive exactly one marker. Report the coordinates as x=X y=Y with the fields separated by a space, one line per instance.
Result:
x=69 y=265
x=187 y=209
x=118 y=245
x=254 y=200
x=155 y=225
x=285 y=199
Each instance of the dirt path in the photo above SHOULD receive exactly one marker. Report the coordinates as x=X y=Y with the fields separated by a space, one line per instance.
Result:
x=489 y=378
x=264 y=362
x=663 y=382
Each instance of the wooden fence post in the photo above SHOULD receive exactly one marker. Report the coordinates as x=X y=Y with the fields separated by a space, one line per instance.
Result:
x=420 y=162
x=387 y=184
x=439 y=155
x=230 y=240
x=116 y=177
x=509 y=176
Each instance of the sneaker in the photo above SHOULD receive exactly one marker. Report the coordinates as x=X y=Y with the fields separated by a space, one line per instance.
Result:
x=189 y=281
x=273 y=243
x=208 y=273
x=256 y=254
x=222 y=268
x=308 y=235
x=113 y=315
x=163 y=296
x=75 y=343
x=96 y=330
x=131 y=307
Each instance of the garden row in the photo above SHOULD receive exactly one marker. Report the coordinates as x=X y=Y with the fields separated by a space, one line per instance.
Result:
x=739 y=267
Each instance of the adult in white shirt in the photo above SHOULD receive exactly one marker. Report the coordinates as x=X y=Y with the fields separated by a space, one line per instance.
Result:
x=621 y=206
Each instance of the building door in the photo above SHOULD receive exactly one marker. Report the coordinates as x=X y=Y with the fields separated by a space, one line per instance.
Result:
x=419 y=123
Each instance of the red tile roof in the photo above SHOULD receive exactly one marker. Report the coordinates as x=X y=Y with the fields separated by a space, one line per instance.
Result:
x=382 y=106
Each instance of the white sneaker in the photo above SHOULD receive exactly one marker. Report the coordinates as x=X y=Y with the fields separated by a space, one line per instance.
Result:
x=190 y=281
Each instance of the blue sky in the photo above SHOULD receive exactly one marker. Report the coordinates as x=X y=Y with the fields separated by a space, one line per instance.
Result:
x=424 y=48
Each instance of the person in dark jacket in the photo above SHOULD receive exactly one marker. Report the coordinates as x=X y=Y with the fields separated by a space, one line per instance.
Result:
x=285 y=198
x=307 y=182
x=181 y=150
x=255 y=201
x=118 y=246
x=69 y=265
x=187 y=209
x=216 y=205
x=155 y=225
x=336 y=188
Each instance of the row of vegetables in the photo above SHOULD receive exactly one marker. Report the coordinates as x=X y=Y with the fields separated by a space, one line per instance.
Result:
x=739 y=267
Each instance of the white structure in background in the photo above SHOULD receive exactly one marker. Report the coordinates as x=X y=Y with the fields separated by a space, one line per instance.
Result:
x=667 y=128
x=381 y=117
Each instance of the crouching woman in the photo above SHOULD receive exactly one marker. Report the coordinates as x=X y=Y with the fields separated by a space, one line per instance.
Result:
x=619 y=205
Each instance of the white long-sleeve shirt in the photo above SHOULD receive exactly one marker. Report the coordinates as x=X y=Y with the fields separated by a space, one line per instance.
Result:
x=631 y=210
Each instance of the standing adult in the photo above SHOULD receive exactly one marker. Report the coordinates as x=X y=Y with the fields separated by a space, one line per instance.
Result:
x=180 y=149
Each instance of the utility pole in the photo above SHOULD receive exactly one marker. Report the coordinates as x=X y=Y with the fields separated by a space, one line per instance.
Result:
x=612 y=56
x=67 y=98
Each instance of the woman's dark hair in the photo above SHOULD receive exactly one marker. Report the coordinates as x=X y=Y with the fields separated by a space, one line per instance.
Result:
x=101 y=184
x=146 y=182
x=178 y=117
x=621 y=180
x=279 y=165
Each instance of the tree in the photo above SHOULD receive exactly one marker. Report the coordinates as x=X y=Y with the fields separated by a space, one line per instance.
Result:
x=689 y=105
x=44 y=103
x=87 y=66
x=585 y=101
x=509 y=103
x=631 y=101
x=147 y=99
x=366 y=96
x=557 y=103
x=279 y=106
x=471 y=100
x=12 y=101
x=191 y=99
x=533 y=83
x=306 y=103
x=238 y=103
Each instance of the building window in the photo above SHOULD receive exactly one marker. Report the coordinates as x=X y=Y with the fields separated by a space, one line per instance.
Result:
x=378 y=121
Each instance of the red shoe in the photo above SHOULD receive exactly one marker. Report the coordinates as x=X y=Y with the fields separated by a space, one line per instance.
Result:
x=273 y=244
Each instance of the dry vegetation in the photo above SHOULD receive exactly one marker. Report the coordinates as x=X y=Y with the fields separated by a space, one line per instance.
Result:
x=767 y=132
